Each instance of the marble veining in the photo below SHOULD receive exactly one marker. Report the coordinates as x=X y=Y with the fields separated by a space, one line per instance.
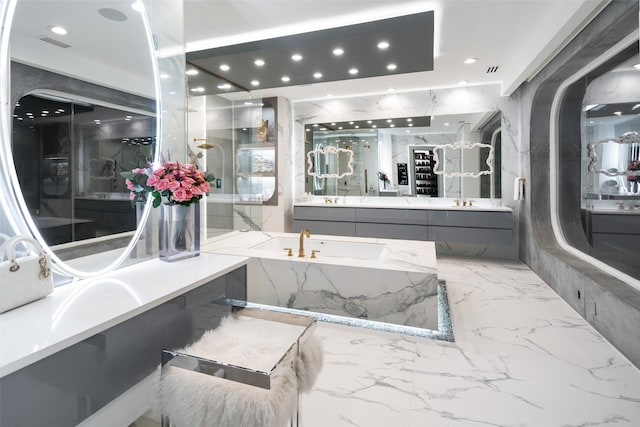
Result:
x=522 y=357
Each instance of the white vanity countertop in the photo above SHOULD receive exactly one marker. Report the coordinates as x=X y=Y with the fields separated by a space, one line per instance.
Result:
x=404 y=203
x=84 y=308
x=402 y=255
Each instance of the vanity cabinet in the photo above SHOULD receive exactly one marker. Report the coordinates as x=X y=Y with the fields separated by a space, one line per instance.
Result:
x=439 y=225
x=70 y=385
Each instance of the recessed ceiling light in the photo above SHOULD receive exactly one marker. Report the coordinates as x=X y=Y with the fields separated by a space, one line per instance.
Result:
x=383 y=45
x=353 y=71
x=255 y=83
x=128 y=117
x=447 y=123
x=225 y=67
x=192 y=72
x=463 y=82
x=197 y=89
x=323 y=128
x=391 y=67
x=410 y=124
x=315 y=125
x=339 y=127
x=317 y=75
x=470 y=60
x=259 y=62
x=248 y=103
x=409 y=119
x=392 y=125
x=296 y=57
x=58 y=30
x=374 y=126
x=369 y=121
x=357 y=127
x=285 y=79
x=224 y=86
x=618 y=113
x=308 y=130
x=389 y=120
x=338 y=51
x=350 y=123
x=333 y=124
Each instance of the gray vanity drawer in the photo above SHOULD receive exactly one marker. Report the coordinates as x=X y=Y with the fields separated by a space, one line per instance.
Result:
x=481 y=219
x=496 y=236
x=324 y=213
x=392 y=231
x=391 y=216
x=333 y=228
x=612 y=223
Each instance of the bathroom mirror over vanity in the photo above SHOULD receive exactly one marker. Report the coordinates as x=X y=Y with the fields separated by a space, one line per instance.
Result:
x=83 y=111
x=452 y=156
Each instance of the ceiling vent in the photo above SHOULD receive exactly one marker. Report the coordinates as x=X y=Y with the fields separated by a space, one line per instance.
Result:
x=492 y=69
x=54 y=42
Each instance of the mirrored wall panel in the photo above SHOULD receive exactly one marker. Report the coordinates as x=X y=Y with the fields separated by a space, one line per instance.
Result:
x=397 y=156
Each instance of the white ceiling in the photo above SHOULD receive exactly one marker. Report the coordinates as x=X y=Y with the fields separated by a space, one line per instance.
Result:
x=518 y=36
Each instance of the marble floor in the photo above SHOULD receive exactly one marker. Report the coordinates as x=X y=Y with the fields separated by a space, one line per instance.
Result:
x=522 y=357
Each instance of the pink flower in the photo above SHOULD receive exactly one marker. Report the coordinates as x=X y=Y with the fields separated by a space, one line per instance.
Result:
x=132 y=195
x=153 y=180
x=130 y=185
x=161 y=185
x=181 y=195
x=196 y=191
x=205 y=187
x=186 y=184
x=139 y=170
x=173 y=185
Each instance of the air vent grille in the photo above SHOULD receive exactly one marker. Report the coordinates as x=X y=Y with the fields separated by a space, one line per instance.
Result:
x=492 y=69
x=54 y=42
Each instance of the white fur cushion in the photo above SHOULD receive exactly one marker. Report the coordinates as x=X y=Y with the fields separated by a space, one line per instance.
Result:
x=192 y=399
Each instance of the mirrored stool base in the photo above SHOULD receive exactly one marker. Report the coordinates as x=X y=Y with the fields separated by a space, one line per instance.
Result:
x=249 y=371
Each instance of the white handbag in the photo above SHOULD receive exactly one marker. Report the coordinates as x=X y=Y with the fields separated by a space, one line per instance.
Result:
x=26 y=278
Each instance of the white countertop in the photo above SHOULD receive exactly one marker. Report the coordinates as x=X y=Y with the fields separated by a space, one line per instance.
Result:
x=491 y=205
x=84 y=308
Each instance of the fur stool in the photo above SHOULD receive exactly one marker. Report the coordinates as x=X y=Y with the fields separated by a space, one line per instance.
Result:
x=247 y=372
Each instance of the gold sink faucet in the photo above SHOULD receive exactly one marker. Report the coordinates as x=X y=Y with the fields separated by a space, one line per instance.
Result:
x=303 y=232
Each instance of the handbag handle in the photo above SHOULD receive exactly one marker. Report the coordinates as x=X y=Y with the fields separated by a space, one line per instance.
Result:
x=9 y=248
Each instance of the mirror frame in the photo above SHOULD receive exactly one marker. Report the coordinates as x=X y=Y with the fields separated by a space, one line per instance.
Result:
x=330 y=149
x=462 y=145
x=627 y=138
x=14 y=205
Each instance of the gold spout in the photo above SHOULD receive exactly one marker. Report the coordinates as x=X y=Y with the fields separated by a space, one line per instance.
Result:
x=303 y=232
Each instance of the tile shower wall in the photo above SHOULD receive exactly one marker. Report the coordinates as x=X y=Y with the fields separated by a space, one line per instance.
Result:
x=610 y=305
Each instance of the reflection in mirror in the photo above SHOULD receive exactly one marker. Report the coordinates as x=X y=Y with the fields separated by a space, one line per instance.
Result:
x=609 y=166
x=82 y=149
x=83 y=110
x=394 y=156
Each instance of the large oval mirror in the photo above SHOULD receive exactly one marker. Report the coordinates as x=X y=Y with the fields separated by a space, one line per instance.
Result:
x=83 y=109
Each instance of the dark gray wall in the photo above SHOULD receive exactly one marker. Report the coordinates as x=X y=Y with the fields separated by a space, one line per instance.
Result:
x=611 y=306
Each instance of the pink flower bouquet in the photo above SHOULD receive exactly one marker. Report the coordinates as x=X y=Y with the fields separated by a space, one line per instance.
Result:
x=172 y=182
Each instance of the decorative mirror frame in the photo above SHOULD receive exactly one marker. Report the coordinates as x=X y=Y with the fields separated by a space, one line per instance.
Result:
x=13 y=203
x=462 y=145
x=627 y=138
x=330 y=149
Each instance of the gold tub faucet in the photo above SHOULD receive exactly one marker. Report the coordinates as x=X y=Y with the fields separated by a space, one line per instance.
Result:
x=303 y=232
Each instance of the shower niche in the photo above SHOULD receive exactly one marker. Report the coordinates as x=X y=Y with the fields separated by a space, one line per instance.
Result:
x=256 y=152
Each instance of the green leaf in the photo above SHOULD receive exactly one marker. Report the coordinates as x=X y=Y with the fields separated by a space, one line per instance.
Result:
x=156 y=200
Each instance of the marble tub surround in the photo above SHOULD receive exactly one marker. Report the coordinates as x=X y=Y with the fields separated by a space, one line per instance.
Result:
x=400 y=286
x=410 y=256
x=522 y=357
